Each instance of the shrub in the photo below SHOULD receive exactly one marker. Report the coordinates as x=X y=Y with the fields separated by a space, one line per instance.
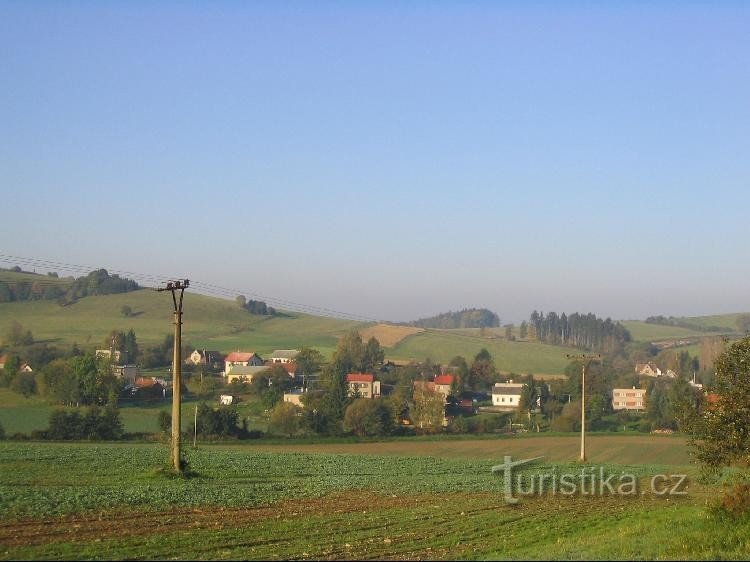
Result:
x=95 y=424
x=2 y=432
x=165 y=421
x=368 y=417
x=286 y=419
x=736 y=501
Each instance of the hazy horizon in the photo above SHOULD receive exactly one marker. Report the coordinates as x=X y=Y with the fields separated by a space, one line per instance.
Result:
x=387 y=160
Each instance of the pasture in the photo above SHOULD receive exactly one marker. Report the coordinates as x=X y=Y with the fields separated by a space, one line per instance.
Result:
x=509 y=356
x=108 y=501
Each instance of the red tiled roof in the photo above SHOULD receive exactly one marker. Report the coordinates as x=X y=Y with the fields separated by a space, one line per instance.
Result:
x=290 y=366
x=359 y=377
x=444 y=379
x=239 y=356
x=145 y=382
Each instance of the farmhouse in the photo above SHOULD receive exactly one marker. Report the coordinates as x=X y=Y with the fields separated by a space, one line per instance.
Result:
x=203 y=357
x=443 y=384
x=364 y=384
x=244 y=373
x=129 y=372
x=3 y=360
x=108 y=354
x=507 y=395
x=241 y=359
x=628 y=398
x=284 y=355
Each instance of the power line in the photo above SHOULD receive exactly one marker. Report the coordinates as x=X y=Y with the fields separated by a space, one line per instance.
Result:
x=209 y=289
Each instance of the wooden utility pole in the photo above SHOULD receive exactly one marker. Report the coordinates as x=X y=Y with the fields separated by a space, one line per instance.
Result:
x=585 y=360
x=173 y=287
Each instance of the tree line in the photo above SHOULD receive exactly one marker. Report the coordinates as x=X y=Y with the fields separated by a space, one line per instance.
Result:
x=584 y=331
x=466 y=318
x=98 y=282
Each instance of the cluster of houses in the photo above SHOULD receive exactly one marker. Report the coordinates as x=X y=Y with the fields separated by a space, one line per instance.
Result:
x=244 y=366
x=22 y=368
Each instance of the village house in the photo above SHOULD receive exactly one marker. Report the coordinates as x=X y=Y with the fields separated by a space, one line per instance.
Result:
x=244 y=373
x=647 y=369
x=242 y=359
x=294 y=397
x=443 y=384
x=628 y=398
x=284 y=355
x=3 y=359
x=507 y=395
x=204 y=357
x=25 y=368
x=108 y=354
x=129 y=372
x=364 y=384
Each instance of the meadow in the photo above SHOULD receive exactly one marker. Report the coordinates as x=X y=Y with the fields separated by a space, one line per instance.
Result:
x=108 y=501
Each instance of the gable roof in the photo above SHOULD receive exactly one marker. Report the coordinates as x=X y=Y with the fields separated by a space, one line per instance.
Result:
x=239 y=356
x=243 y=370
x=360 y=377
x=507 y=388
x=285 y=354
x=444 y=379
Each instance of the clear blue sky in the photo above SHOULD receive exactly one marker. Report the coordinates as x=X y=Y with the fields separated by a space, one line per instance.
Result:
x=389 y=159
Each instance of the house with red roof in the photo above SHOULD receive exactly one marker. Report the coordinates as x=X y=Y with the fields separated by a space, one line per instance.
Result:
x=443 y=384
x=363 y=384
x=242 y=359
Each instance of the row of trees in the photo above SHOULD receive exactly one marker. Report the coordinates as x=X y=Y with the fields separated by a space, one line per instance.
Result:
x=255 y=307
x=466 y=318
x=98 y=282
x=585 y=331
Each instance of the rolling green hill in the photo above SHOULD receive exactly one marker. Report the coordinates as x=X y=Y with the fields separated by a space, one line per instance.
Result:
x=643 y=331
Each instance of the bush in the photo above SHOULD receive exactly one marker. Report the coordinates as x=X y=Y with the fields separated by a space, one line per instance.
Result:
x=219 y=422
x=286 y=419
x=95 y=424
x=2 y=432
x=736 y=501
x=165 y=421
x=24 y=383
x=367 y=416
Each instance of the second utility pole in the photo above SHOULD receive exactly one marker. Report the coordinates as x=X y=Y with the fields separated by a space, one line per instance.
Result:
x=173 y=287
x=586 y=360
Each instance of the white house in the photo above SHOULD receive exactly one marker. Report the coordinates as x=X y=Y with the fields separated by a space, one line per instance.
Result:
x=507 y=395
x=241 y=359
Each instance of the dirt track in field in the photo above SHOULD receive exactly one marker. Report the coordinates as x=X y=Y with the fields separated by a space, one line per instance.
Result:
x=93 y=527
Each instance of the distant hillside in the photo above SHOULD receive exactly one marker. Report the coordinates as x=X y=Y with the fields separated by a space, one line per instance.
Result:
x=467 y=318
x=689 y=327
x=17 y=285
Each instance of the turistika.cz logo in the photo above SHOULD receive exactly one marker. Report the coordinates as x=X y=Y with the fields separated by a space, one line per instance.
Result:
x=588 y=481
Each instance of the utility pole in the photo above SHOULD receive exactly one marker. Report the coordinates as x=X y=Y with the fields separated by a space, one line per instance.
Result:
x=173 y=287
x=585 y=361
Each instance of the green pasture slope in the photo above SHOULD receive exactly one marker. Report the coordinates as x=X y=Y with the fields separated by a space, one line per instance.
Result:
x=219 y=324
x=509 y=356
x=109 y=501
x=642 y=331
x=208 y=322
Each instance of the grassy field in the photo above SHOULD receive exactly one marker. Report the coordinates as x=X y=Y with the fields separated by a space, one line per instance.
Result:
x=24 y=415
x=208 y=322
x=109 y=501
x=642 y=331
x=518 y=357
